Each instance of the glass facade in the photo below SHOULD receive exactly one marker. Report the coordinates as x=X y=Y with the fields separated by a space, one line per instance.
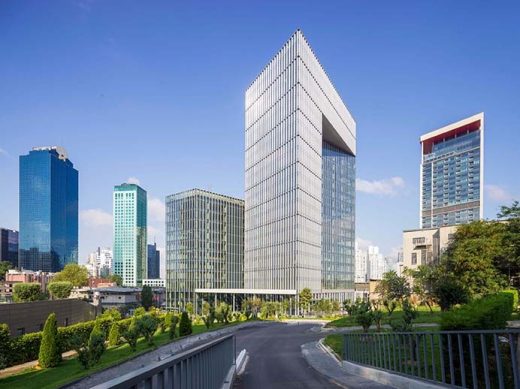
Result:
x=154 y=260
x=204 y=244
x=451 y=175
x=130 y=247
x=292 y=109
x=9 y=246
x=338 y=218
x=48 y=210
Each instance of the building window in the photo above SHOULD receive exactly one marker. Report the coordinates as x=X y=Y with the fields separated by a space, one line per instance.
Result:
x=419 y=240
x=423 y=257
x=414 y=258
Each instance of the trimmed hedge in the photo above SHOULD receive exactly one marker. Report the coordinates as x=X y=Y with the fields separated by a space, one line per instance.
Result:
x=490 y=312
x=514 y=293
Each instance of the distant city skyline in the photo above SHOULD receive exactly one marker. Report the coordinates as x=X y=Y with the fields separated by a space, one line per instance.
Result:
x=128 y=108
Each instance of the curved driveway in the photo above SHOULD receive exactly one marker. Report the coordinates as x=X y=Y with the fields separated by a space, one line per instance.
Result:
x=275 y=358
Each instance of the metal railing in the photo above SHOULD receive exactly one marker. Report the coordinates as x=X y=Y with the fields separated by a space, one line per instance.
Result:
x=204 y=367
x=467 y=359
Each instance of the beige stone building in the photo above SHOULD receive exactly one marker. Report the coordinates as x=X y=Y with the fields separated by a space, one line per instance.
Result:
x=425 y=246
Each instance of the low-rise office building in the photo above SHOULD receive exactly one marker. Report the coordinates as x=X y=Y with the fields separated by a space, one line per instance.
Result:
x=425 y=246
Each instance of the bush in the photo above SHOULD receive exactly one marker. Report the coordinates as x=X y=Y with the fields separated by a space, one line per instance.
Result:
x=25 y=348
x=5 y=346
x=60 y=289
x=185 y=325
x=173 y=325
x=409 y=315
x=96 y=344
x=25 y=292
x=514 y=293
x=49 y=355
x=114 y=336
x=487 y=313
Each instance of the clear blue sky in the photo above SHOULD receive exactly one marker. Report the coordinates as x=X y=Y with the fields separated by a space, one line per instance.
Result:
x=155 y=91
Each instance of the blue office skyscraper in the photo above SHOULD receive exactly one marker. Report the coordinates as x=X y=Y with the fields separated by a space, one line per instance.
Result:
x=48 y=237
x=154 y=260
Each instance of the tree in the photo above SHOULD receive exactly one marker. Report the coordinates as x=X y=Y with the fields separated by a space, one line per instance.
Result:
x=139 y=312
x=511 y=212
x=409 y=315
x=146 y=297
x=390 y=305
x=5 y=345
x=185 y=325
x=424 y=278
x=393 y=287
x=472 y=254
x=189 y=308
x=252 y=306
x=114 y=336
x=49 y=355
x=116 y=278
x=364 y=315
x=90 y=351
x=25 y=292
x=449 y=291
x=112 y=314
x=60 y=289
x=222 y=312
x=147 y=325
x=323 y=307
x=378 y=318
x=305 y=299
x=74 y=273
x=132 y=334
x=4 y=267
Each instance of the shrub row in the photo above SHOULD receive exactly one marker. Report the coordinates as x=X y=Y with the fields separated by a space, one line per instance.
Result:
x=25 y=348
x=490 y=312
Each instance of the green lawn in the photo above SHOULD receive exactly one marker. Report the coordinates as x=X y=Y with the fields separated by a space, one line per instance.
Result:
x=71 y=370
x=424 y=316
x=335 y=342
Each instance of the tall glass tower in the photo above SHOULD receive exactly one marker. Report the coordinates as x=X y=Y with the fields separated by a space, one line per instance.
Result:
x=130 y=248
x=452 y=174
x=48 y=237
x=300 y=147
x=204 y=244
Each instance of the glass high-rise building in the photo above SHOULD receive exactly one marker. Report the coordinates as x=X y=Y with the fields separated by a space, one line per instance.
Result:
x=300 y=147
x=204 y=244
x=154 y=260
x=130 y=239
x=452 y=174
x=9 y=246
x=48 y=237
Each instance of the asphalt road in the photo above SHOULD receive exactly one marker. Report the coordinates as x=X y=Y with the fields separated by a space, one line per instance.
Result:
x=275 y=359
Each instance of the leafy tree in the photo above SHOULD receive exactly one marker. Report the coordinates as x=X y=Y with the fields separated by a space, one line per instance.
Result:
x=25 y=292
x=364 y=315
x=131 y=335
x=323 y=307
x=5 y=345
x=390 y=306
x=349 y=307
x=222 y=312
x=114 y=336
x=448 y=292
x=49 y=355
x=210 y=317
x=511 y=212
x=74 y=273
x=116 y=278
x=424 y=278
x=205 y=308
x=409 y=315
x=252 y=306
x=146 y=297
x=471 y=256
x=147 y=325
x=185 y=325
x=60 y=289
x=4 y=267
x=189 y=309
x=305 y=299
x=90 y=352
x=393 y=287
x=335 y=306
x=377 y=315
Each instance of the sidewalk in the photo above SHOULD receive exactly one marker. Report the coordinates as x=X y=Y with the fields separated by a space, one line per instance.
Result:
x=325 y=363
